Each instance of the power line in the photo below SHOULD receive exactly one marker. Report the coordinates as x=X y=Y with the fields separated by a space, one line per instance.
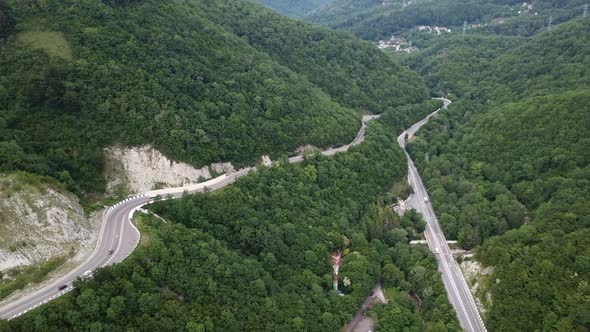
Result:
x=464 y=28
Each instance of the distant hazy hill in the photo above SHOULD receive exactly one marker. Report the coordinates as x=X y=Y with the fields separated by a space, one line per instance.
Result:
x=197 y=79
x=295 y=8
x=370 y=19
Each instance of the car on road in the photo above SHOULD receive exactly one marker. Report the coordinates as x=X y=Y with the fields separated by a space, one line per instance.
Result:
x=436 y=251
x=62 y=287
x=110 y=251
x=87 y=274
x=371 y=293
x=425 y=199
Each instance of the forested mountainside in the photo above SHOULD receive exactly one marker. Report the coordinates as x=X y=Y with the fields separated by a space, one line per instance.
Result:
x=354 y=72
x=295 y=8
x=454 y=64
x=371 y=19
x=508 y=169
x=80 y=75
x=255 y=256
x=496 y=69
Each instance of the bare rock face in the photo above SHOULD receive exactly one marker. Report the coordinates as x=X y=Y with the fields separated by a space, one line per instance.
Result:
x=221 y=168
x=266 y=161
x=141 y=169
x=39 y=221
x=305 y=149
x=477 y=277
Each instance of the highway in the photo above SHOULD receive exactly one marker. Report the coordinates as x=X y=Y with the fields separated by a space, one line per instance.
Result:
x=453 y=279
x=116 y=241
x=118 y=237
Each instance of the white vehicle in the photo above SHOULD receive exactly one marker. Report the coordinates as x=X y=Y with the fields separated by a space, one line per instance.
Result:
x=425 y=199
x=436 y=251
x=87 y=274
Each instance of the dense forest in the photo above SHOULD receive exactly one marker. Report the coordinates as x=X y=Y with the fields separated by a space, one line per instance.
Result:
x=496 y=69
x=455 y=65
x=326 y=57
x=255 y=256
x=77 y=76
x=507 y=168
x=370 y=19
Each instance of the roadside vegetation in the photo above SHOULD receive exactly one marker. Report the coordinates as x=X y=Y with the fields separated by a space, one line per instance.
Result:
x=17 y=278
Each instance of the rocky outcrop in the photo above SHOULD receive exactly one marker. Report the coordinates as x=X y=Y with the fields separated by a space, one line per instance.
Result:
x=141 y=169
x=39 y=221
x=477 y=277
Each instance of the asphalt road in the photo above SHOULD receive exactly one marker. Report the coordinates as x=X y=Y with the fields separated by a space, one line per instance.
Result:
x=118 y=237
x=360 y=314
x=117 y=240
x=455 y=284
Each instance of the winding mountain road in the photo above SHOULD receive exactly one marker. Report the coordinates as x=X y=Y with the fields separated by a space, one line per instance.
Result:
x=118 y=237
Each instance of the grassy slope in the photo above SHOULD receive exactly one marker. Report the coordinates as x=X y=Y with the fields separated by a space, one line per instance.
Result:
x=54 y=43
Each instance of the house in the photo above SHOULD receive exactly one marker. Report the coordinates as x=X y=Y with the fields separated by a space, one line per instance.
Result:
x=397 y=44
x=440 y=30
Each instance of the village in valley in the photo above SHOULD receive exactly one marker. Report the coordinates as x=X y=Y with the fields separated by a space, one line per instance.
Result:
x=399 y=44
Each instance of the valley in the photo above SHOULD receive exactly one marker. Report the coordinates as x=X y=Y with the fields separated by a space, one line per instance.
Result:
x=144 y=112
